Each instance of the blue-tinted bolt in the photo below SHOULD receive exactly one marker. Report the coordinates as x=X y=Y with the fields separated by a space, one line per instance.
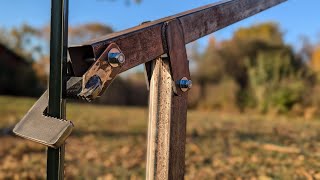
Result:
x=185 y=84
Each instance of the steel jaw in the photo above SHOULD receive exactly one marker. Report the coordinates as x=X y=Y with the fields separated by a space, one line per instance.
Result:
x=53 y=132
x=43 y=129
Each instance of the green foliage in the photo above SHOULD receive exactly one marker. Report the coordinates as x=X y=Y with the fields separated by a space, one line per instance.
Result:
x=210 y=64
x=269 y=74
x=253 y=70
x=286 y=95
x=220 y=96
x=266 y=32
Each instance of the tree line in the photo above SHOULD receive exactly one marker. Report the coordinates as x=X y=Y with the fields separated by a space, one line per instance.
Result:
x=254 y=70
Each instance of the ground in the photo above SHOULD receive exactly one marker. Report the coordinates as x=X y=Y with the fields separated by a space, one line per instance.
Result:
x=110 y=143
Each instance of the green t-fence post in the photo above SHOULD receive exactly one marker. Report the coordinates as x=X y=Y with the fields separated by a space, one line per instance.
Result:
x=57 y=80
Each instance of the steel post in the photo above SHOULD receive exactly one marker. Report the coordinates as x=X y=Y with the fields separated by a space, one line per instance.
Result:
x=57 y=80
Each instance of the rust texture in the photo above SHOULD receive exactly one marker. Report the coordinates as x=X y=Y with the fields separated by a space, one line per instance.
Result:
x=103 y=69
x=177 y=53
x=143 y=43
x=178 y=136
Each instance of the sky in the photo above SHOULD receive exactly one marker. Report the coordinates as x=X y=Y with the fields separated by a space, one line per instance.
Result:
x=296 y=17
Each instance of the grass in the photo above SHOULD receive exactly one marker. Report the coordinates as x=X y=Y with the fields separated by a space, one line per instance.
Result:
x=110 y=143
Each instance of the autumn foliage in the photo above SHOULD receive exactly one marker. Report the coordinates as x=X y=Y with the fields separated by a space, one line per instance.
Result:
x=266 y=74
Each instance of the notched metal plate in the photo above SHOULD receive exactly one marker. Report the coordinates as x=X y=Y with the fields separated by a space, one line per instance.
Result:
x=45 y=130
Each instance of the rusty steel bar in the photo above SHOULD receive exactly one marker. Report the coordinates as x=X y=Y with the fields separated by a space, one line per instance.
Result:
x=145 y=42
x=167 y=125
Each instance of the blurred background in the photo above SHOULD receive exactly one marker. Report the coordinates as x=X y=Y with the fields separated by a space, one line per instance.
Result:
x=253 y=110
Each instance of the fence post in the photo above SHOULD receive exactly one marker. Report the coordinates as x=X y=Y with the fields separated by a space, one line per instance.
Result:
x=167 y=125
x=57 y=80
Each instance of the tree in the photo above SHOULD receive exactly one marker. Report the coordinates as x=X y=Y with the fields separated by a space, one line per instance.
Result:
x=210 y=65
x=23 y=40
x=33 y=44
x=19 y=79
x=267 y=32
x=81 y=33
x=261 y=64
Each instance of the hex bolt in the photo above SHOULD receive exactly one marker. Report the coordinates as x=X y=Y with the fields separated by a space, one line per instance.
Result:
x=92 y=88
x=93 y=82
x=185 y=84
x=116 y=58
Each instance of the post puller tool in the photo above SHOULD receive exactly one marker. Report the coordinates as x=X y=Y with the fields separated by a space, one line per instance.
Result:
x=160 y=45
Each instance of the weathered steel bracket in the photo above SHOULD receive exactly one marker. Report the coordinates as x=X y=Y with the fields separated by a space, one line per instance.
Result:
x=103 y=71
x=174 y=45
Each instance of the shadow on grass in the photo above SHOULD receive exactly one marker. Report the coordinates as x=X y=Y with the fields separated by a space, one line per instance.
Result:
x=105 y=133
x=6 y=131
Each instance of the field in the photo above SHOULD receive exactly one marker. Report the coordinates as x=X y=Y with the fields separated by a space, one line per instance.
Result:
x=110 y=143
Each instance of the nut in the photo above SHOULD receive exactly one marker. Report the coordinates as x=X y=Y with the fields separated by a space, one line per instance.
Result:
x=116 y=58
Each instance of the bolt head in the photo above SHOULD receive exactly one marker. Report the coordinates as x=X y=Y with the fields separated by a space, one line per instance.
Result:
x=93 y=82
x=185 y=84
x=92 y=88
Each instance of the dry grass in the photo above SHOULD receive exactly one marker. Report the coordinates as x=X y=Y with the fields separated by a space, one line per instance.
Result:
x=110 y=143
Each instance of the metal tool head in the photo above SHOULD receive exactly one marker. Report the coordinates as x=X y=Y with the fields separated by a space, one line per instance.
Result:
x=45 y=130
